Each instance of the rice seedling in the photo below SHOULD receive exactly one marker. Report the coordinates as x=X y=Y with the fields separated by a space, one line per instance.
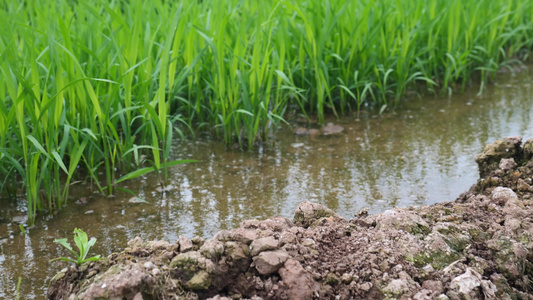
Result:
x=92 y=86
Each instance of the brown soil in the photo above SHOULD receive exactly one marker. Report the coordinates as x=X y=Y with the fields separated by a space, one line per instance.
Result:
x=479 y=246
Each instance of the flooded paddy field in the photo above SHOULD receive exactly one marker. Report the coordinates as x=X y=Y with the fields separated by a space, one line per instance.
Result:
x=422 y=153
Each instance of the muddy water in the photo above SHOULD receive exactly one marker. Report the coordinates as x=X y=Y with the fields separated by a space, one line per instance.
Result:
x=420 y=154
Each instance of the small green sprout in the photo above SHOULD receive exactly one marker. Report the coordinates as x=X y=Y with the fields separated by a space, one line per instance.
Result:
x=81 y=240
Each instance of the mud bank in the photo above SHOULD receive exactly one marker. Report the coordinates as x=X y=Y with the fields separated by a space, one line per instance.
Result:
x=479 y=246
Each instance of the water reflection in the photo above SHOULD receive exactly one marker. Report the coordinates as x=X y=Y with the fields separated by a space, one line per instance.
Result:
x=420 y=154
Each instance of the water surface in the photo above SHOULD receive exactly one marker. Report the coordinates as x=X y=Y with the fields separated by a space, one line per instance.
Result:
x=419 y=154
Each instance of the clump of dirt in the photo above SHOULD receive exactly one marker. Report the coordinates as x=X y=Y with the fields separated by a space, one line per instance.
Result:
x=477 y=247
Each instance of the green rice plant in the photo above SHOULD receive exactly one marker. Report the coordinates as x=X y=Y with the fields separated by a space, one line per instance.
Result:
x=103 y=87
x=17 y=291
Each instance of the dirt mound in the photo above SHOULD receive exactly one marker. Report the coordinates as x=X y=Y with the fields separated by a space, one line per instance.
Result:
x=479 y=246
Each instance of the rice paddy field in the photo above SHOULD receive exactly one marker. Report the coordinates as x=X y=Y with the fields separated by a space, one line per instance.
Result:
x=97 y=90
